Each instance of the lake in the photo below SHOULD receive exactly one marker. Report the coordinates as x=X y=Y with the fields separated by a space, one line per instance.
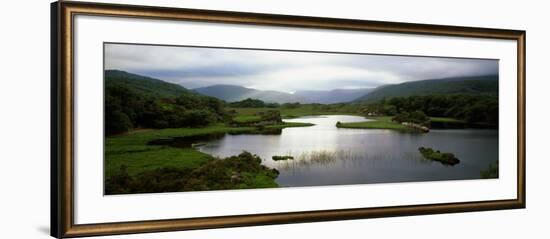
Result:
x=326 y=155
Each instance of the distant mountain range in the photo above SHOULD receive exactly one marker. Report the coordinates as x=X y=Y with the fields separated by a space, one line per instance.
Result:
x=458 y=85
x=333 y=96
x=232 y=93
x=473 y=85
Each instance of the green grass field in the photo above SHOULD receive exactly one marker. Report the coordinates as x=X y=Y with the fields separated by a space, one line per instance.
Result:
x=247 y=118
x=385 y=122
x=133 y=151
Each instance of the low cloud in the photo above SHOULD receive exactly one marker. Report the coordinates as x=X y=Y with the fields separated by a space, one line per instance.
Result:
x=194 y=67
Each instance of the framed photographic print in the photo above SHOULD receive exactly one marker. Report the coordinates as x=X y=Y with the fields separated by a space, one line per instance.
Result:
x=172 y=119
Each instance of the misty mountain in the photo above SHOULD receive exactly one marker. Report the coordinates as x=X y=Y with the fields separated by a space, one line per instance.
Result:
x=473 y=85
x=233 y=93
x=332 y=96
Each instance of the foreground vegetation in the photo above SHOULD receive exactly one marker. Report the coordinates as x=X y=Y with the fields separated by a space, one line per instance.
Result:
x=131 y=160
x=134 y=150
x=235 y=172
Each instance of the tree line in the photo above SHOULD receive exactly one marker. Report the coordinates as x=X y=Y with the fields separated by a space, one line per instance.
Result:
x=255 y=103
x=126 y=109
x=470 y=108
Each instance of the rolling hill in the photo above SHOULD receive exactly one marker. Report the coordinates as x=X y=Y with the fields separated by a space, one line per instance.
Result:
x=132 y=101
x=457 y=85
x=233 y=93
x=144 y=85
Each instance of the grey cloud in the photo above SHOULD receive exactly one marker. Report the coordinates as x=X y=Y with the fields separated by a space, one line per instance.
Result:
x=282 y=70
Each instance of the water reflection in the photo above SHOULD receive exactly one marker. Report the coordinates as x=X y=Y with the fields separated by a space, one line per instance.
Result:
x=326 y=155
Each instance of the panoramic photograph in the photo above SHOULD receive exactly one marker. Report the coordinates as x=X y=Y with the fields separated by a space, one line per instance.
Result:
x=188 y=118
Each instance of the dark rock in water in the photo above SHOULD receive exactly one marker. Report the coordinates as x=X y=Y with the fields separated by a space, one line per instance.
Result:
x=444 y=158
x=277 y=158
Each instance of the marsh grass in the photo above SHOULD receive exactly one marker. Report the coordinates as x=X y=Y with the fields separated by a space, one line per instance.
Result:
x=324 y=158
x=490 y=172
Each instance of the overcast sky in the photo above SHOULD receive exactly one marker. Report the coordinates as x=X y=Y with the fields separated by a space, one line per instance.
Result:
x=194 y=67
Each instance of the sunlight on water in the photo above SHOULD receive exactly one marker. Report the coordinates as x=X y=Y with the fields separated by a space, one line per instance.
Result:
x=326 y=155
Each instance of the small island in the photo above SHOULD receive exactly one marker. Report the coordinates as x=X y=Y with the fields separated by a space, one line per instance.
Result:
x=415 y=121
x=436 y=155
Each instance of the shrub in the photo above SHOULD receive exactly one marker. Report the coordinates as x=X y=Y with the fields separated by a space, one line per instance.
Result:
x=241 y=171
x=417 y=117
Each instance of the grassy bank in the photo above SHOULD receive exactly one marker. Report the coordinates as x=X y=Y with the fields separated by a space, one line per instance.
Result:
x=247 y=118
x=385 y=122
x=241 y=171
x=133 y=151
x=132 y=158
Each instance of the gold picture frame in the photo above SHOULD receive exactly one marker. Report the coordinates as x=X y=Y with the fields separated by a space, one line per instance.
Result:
x=62 y=180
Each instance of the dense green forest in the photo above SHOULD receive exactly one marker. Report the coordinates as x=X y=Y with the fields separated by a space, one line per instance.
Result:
x=471 y=108
x=475 y=85
x=132 y=101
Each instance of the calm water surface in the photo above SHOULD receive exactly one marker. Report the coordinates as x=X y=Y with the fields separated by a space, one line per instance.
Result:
x=326 y=155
